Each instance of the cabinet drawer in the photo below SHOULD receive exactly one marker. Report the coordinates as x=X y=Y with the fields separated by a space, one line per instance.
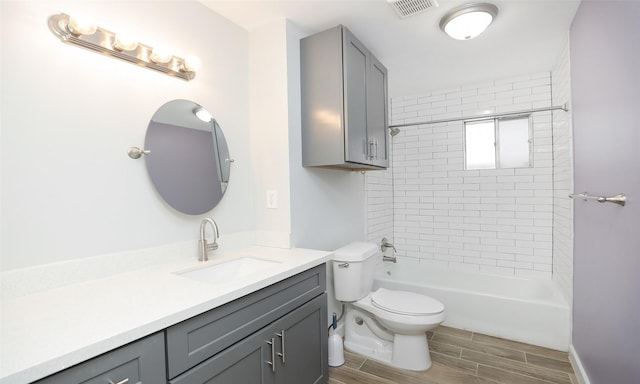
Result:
x=197 y=339
x=141 y=362
x=243 y=363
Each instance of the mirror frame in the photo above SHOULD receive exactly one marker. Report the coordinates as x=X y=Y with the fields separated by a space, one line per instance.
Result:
x=189 y=162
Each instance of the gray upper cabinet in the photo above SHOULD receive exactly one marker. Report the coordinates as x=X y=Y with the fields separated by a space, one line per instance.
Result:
x=344 y=103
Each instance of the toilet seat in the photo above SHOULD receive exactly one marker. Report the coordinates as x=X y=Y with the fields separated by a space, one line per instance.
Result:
x=407 y=322
x=405 y=303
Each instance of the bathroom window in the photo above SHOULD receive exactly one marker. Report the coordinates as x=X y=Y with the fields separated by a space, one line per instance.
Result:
x=498 y=143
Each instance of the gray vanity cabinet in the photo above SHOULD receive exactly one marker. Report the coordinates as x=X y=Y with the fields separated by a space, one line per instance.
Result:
x=344 y=103
x=277 y=335
x=292 y=350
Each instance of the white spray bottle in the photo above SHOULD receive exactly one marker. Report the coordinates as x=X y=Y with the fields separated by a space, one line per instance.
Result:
x=336 y=351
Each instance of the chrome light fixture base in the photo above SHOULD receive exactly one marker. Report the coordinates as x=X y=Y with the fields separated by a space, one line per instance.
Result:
x=105 y=42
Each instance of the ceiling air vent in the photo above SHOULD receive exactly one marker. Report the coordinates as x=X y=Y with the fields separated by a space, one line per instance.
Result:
x=406 y=8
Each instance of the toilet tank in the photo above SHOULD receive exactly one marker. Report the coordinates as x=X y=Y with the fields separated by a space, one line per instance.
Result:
x=353 y=269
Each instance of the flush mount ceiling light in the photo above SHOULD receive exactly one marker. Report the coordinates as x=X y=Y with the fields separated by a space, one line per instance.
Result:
x=81 y=31
x=468 y=21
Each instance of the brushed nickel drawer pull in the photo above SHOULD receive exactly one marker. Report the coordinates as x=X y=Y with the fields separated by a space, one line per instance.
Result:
x=281 y=335
x=273 y=355
x=125 y=381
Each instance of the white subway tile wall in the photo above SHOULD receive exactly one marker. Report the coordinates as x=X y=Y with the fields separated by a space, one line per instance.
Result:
x=562 y=178
x=437 y=213
x=379 y=200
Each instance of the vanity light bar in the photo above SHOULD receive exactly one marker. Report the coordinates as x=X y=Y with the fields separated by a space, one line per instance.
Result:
x=100 y=40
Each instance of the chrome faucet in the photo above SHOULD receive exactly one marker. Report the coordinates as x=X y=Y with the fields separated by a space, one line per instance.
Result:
x=384 y=245
x=203 y=245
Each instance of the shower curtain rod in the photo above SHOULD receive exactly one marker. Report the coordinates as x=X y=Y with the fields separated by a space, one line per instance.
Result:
x=480 y=117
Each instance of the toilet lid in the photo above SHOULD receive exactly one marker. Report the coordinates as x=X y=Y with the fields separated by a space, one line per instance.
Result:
x=406 y=303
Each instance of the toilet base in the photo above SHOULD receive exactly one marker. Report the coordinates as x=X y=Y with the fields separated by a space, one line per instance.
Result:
x=411 y=352
x=364 y=336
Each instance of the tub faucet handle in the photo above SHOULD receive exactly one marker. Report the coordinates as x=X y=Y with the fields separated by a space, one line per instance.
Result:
x=385 y=244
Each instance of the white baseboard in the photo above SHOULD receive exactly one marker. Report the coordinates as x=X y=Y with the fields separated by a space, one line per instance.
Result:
x=581 y=374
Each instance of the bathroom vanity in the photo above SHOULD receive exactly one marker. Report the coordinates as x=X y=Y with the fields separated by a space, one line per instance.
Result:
x=267 y=326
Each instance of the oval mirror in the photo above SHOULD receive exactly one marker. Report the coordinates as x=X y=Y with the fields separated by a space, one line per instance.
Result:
x=188 y=160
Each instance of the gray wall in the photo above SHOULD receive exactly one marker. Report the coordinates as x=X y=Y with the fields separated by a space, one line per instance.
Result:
x=605 y=58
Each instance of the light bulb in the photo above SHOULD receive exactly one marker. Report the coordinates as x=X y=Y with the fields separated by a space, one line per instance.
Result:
x=81 y=24
x=468 y=26
x=468 y=21
x=203 y=114
x=124 y=42
x=160 y=55
x=191 y=63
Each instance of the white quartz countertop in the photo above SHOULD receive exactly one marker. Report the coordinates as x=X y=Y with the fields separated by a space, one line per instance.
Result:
x=48 y=331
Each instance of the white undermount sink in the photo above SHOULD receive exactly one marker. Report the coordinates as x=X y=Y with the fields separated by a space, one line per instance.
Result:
x=230 y=270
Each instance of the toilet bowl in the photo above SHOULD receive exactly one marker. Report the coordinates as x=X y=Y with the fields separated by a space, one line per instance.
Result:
x=385 y=325
x=391 y=335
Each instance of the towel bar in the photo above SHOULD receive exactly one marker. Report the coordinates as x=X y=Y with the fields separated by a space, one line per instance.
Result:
x=619 y=199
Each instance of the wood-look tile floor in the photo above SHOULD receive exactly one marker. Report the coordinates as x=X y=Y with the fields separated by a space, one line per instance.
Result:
x=463 y=357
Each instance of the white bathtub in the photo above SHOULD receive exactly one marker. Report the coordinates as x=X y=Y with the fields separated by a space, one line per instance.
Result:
x=526 y=310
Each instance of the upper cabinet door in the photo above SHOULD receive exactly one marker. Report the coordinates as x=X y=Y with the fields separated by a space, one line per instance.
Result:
x=355 y=95
x=343 y=103
x=377 y=119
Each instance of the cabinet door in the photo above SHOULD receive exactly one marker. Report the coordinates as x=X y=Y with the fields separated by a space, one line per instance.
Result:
x=301 y=344
x=377 y=123
x=249 y=361
x=355 y=99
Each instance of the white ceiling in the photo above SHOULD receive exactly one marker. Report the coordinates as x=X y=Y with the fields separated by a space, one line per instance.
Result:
x=526 y=37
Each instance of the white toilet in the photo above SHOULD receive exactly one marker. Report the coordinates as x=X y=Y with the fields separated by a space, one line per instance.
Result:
x=384 y=325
